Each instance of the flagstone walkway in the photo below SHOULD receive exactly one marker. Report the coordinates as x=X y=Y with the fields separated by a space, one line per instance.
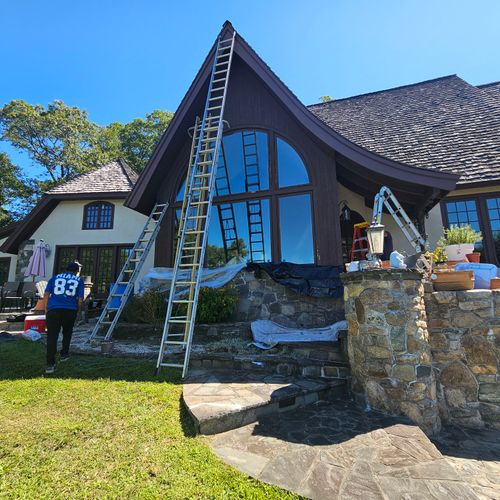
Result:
x=336 y=450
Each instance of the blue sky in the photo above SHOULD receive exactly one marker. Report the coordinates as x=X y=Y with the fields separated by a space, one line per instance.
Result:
x=122 y=59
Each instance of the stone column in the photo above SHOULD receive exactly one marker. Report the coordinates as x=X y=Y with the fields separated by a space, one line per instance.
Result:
x=388 y=346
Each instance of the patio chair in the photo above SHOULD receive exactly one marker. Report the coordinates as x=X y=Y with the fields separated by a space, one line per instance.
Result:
x=29 y=294
x=11 y=293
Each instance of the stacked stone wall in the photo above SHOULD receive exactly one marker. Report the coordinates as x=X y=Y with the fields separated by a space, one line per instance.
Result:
x=262 y=298
x=388 y=344
x=464 y=335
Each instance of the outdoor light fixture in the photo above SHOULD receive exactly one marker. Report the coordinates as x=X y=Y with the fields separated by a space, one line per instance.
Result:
x=345 y=211
x=375 y=235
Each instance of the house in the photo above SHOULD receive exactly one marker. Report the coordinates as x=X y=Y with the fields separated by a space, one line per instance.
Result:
x=436 y=144
x=84 y=219
x=292 y=170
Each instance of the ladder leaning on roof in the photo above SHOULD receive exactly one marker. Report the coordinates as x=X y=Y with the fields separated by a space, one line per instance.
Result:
x=195 y=216
x=129 y=273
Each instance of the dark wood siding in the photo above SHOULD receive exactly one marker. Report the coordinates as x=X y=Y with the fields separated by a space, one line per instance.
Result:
x=250 y=104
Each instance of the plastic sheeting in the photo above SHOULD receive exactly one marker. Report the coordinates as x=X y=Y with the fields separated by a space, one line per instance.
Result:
x=160 y=278
x=307 y=279
x=266 y=334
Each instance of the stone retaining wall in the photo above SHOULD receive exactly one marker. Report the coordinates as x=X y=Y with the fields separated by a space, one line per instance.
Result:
x=388 y=346
x=262 y=298
x=464 y=335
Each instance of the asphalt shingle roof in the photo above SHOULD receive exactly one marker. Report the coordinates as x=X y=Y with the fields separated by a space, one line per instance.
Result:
x=445 y=124
x=113 y=177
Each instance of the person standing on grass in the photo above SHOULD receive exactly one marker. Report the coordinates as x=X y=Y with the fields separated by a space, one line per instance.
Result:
x=63 y=301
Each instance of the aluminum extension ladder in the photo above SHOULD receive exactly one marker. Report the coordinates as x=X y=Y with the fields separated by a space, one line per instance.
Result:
x=195 y=215
x=129 y=273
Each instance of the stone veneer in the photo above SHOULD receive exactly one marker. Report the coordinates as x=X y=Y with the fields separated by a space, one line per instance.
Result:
x=262 y=298
x=388 y=344
x=464 y=334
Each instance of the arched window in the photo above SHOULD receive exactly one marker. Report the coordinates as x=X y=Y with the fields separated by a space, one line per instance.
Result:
x=291 y=168
x=249 y=201
x=98 y=215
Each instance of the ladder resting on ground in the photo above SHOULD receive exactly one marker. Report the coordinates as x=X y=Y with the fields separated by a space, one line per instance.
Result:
x=195 y=216
x=125 y=282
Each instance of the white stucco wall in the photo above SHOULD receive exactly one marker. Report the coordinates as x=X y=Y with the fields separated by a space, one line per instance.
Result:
x=13 y=261
x=64 y=227
x=433 y=224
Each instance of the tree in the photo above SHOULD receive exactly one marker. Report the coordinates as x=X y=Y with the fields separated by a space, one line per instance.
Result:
x=15 y=191
x=325 y=98
x=59 y=138
x=135 y=141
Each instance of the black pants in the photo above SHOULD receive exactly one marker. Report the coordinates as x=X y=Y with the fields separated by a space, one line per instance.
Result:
x=55 y=320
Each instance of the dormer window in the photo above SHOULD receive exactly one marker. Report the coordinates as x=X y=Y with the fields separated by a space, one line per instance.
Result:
x=98 y=215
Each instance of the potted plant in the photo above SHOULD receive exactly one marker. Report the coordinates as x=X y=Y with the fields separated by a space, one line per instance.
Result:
x=458 y=241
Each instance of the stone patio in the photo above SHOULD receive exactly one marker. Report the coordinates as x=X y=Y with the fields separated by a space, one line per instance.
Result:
x=336 y=450
x=220 y=400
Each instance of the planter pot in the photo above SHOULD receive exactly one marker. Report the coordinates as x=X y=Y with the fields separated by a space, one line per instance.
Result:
x=495 y=283
x=459 y=252
x=474 y=257
x=454 y=280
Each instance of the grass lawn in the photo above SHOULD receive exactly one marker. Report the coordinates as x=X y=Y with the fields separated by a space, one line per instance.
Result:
x=103 y=428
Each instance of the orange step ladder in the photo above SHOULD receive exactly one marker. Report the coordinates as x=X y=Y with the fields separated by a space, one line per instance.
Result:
x=359 y=240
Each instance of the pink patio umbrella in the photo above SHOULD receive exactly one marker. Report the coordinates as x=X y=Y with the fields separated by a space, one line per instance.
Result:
x=36 y=265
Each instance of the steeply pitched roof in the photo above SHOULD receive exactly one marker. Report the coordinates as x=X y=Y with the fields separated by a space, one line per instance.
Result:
x=116 y=176
x=143 y=195
x=443 y=124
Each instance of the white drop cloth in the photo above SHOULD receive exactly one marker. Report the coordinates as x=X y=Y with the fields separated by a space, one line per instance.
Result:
x=159 y=278
x=266 y=334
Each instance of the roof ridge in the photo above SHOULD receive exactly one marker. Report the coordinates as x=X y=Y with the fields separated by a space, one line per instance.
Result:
x=484 y=85
x=446 y=77
x=128 y=170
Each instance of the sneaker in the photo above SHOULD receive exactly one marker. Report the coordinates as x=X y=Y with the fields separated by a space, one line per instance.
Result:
x=64 y=357
x=50 y=369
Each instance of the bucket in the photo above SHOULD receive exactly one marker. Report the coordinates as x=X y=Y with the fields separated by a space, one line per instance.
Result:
x=106 y=346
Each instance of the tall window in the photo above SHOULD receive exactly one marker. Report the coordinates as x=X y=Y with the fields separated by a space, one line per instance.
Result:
x=262 y=208
x=482 y=212
x=98 y=215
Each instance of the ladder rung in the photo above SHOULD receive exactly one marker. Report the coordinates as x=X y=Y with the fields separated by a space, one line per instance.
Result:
x=171 y=365
x=185 y=283
x=179 y=321
x=182 y=301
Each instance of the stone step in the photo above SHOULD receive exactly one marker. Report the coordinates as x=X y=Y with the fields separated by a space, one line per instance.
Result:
x=271 y=363
x=220 y=400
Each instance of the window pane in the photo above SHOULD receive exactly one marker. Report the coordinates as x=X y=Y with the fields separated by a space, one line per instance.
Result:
x=243 y=163
x=291 y=168
x=66 y=255
x=87 y=260
x=462 y=213
x=494 y=218
x=239 y=229
x=104 y=268
x=296 y=229
x=4 y=269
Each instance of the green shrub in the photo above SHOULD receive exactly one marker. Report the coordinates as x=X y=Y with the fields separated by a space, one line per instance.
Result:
x=460 y=234
x=215 y=305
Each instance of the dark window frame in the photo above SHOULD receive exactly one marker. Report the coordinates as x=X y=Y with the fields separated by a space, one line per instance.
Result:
x=8 y=261
x=115 y=263
x=273 y=193
x=484 y=222
x=99 y=204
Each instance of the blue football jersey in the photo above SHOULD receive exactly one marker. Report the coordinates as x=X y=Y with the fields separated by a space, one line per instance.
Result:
x=65 y=290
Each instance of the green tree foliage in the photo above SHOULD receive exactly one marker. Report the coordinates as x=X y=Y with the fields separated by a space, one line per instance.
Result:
x=63 y=143
x=135 y=141
x=60 y=138
x=15 y=191
x=325 y=98
x=217 y=257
